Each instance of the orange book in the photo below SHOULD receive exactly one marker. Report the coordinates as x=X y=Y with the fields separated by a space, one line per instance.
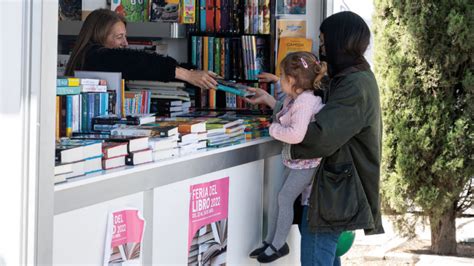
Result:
x=289 y=45
x=212 y=99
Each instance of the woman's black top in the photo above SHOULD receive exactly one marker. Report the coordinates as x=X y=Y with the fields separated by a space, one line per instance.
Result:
x=134 y=64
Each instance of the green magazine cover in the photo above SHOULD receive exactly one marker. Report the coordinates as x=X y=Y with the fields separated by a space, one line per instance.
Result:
x=132 y=10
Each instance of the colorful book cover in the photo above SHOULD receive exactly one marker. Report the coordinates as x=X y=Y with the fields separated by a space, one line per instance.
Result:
x=210 y=16
x=164 y=10
x=289 y=45
x=124 y=239
x=208 y=220
x=70 y=9
x=202 y=15
x=291 y=7
x=291 y=28
x=187 y=11
x=132 y=10
x=266 y=17
x=218 y=26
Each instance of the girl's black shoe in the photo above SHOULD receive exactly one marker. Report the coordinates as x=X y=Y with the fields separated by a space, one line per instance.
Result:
x=283 y=251
x=254 y=254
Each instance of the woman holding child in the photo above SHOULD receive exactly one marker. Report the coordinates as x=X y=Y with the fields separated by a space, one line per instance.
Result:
x=345 y=131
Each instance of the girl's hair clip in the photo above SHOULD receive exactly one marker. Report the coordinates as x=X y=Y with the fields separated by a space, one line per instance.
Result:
x=304 y=62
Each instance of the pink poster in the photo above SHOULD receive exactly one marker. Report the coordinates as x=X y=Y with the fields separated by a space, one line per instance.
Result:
x=123 y=243
x=208 y=211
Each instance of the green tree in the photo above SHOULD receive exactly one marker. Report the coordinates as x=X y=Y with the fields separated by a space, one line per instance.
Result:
x=424 y=65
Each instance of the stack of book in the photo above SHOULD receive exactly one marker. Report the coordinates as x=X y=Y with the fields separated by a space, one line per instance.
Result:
x=192 y=134
x=114 y=154
x=82 y=156
x=160 y=90
x=164 y=147
x=224 y=132
x=169 y=107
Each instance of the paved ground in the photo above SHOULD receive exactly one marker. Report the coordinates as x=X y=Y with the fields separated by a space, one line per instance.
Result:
x=389 y=249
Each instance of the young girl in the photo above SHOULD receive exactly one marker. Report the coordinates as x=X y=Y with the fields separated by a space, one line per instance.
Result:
x=301 y=76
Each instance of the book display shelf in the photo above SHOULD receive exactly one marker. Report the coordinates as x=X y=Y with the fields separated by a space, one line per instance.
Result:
x=234 y=40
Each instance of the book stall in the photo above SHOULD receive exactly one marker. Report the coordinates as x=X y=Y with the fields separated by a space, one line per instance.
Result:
x=164 y=173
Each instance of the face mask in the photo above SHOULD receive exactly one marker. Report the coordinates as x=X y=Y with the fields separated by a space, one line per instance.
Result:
x=322 y=56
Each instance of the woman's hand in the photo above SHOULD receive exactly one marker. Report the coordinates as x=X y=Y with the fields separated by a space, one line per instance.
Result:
x=261 y=97
x=267 y=77
x=199 y=78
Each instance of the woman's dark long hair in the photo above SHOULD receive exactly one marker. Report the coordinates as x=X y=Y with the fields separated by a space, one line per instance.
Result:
x=95 y=29
x=346 y=38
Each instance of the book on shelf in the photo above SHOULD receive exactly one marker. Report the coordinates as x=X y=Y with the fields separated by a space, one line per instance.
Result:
x=185 y=127
x=131 y=119
x=92 y=165
x=93 y=88
x=62 y=168
x=147 y=130
x=115 y=162
x=225 y=123
x=160 y=130
x=167 y=102
x=114 y=83
x=61 y=171
x=131 y=10
x=70 y=9
x=139 y=157
x=164 y=143
x=68 y=154
x=291 y=28
x=289 y=45
x=68 y=90
x=77 y=170
x=84 y=148
x=188 y=138
x=67 y=82
x=114 y=149
x=187 y=11
x=164 y=10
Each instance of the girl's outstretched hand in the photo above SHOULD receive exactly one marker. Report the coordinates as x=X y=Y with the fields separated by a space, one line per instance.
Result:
x=261 y=97
x=267 y=77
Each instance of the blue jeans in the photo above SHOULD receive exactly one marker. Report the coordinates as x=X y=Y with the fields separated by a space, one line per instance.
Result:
x=317 y=248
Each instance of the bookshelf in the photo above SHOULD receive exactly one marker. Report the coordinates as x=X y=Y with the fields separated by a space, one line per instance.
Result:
x=240 y=22
x=149 y=30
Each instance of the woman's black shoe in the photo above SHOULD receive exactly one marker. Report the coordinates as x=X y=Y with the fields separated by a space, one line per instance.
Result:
x=254 y=254
x=283 y=251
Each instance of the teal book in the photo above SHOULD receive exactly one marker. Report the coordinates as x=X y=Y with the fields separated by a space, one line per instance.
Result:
x=64 y=90
x=234 y=88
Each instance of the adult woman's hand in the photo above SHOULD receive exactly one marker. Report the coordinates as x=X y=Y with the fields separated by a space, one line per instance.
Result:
x=267 y=77
x=199 y=78
x=261 y=97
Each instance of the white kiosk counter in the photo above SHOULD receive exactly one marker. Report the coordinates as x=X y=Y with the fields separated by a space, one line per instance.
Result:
x=161 y=190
